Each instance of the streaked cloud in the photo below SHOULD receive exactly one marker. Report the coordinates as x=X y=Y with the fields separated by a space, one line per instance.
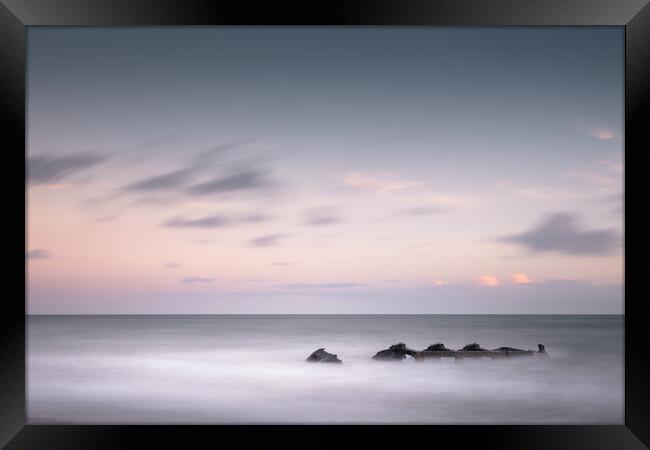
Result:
x=487 y=280
x=166 y=181
x=537 y=192
x=215 y=221
x=380 y=182
x=255 y=218
x=38 y=254
x=208 y=155
x=322 y=285
x=176 y=180
x=602 y=134
x=151 y=143
x=605 y=174
x=602 y=180
x=320 y=217
x=193 y=280
x=446 y=200
x=425 y=210
x=266 y=241
x=520 y=278
x=595 y=129
x=202 y=222
x=244 y=180
x=561 y=232
x=44 y=169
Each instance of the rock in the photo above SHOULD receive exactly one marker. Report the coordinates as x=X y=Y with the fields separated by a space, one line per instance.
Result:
x=395 y=352
x=321 y=355
x=437 y=348
x=541 y=348
x=474 y=348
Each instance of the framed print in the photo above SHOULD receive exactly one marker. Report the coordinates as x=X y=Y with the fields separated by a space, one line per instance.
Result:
x=297 y=219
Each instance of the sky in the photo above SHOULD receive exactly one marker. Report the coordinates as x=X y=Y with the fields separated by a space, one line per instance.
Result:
x=325 y=170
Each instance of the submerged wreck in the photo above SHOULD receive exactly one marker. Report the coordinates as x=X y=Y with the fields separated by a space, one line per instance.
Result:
x=395 y=352
x=321 y=355
x=401 y=351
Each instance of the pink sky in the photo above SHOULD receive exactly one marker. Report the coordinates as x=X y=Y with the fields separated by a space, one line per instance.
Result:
x=196 y=190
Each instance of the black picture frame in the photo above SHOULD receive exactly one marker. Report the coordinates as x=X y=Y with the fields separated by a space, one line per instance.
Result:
x=16 y=15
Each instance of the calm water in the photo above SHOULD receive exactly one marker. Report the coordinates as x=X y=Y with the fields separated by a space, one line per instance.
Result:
x=250 y=369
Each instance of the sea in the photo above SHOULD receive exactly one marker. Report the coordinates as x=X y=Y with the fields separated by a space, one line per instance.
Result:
x=251 y=369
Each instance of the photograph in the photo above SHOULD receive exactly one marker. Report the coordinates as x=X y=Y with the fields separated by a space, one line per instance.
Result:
x=328 y=225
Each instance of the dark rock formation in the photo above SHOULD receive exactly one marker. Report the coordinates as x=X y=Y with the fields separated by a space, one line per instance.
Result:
x=541 y=348
x=437 y=348
x=321 y=355
x=395 y=352
x=474 y=348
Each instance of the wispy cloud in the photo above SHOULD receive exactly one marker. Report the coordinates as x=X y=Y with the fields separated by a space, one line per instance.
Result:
x=606 y=174
x=177 y=181
x=38 y=254
x=166 y=181
x=380 y=182
x=151 y=143
x=425 y=210
x=594 y=129
x=171 y=265
x=538 y=192
x=445 y=200
x=319 y=217
x=603 y=134
x=615 y=203
x=255 y=218
x=322 y=285
x=561 y=232
x=244 y=180
x=544 y=192
x=215 y=221
x=488 y=280
x=44 y=169
x=434 y=203
x=192 y=280
x=520 y=278
x=599 y=179
x=208 y=155
x=202 y=222
x=266 y=241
